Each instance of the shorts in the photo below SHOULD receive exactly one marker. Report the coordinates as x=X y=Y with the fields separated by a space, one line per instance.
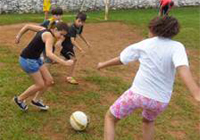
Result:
x=46 y=5
x=130 y=101
x=30 y=65
x=68 y=53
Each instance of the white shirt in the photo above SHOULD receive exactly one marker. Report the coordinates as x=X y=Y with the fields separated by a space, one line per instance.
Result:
x=159 y=58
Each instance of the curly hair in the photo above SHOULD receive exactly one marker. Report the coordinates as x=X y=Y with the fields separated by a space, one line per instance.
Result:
x=166 y=26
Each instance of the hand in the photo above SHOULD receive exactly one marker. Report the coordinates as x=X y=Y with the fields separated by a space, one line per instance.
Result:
x=17 y=39
x=88 y=44
x=82 y=51
x=69 y=62
x=100 y=65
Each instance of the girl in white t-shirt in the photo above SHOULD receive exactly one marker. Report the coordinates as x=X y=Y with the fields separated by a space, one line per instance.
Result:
x=159 y=57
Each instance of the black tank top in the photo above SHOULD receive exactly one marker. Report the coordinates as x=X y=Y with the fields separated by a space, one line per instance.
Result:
x=35 y=47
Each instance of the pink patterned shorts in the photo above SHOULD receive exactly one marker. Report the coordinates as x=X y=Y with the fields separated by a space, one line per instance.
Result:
x=129 y=101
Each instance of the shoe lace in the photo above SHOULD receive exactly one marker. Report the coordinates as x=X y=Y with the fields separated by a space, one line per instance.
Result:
x=41 y=102
x=23 y=104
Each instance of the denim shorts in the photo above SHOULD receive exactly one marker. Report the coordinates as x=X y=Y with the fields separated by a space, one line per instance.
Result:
x=30 y=65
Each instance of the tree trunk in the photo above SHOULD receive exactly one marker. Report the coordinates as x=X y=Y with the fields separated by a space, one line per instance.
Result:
x=82 y=6
x=107 y=3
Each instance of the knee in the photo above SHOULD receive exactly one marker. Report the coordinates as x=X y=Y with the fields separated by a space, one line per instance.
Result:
x=109 y=116
x=40 y=86
x=49 y=82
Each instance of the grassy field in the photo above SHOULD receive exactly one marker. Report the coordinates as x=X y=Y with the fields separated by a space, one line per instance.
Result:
x=179 y=122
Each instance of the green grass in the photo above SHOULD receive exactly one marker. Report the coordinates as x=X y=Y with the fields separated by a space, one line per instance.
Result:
x=179 y=121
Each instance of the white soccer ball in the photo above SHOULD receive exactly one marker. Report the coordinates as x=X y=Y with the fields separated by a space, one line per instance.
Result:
x=79 y=120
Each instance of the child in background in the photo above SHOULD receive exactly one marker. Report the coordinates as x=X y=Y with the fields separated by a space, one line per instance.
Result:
x=56 y=17
x=46 y=7
x=160 y=57
x=50 y=23
x=165 y=6
x=69 y=42
x=32 y=64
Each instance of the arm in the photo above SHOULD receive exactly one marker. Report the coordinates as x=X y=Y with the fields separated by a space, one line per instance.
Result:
x=129 y=54
x=58 y=44
x=49 y=40
x=113 y=62
x=76 y=44
x=188 y=80
x=86 y=42
x=27 y=27
x=160 y=11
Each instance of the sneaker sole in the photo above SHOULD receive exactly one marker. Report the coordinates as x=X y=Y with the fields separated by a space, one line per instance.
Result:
x=71 y=82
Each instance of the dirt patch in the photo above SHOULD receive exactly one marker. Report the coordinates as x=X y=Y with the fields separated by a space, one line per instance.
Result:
x=175 y=123
x=8 y=34
x=107 y=40
x=179 y=135
x=194 y=58
x=1 y=65
x=108 y=99
x=198 y=127
x=47 y=132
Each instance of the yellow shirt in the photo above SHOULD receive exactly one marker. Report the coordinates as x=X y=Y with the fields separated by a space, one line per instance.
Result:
x=46 y=5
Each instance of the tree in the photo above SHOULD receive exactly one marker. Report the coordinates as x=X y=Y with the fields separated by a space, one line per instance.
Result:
x=82 y=5
x=107 y=3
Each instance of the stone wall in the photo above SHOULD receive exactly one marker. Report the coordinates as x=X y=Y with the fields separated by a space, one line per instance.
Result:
x=27 y=6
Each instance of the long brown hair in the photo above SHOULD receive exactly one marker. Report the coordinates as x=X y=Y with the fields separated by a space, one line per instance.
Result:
x=166 y=26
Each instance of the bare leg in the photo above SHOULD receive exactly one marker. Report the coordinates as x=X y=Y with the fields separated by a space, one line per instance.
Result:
x=70 y=79
x=160 y=12
x=148 y=129
x=46 y=15
x=71 y=72
x=38 y=86
x=109 y=126
x=48 y=80
x=39 y=94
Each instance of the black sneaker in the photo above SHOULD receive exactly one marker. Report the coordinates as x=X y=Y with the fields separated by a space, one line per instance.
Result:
x=21 y=104
x=39 y=104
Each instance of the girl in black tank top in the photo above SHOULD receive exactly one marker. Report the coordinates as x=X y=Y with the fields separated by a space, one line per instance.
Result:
x=32 y=64
x=35 y=47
